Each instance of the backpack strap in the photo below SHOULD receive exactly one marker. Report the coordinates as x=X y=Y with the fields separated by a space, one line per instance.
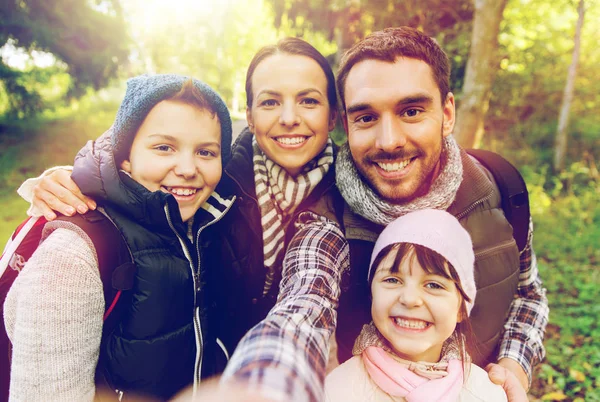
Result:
x=513 y=191
x=115 y=262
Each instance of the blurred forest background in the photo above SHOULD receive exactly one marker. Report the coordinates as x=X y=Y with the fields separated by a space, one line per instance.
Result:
x=525 y=74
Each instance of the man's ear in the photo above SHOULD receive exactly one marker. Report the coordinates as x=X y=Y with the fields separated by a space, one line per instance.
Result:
x=126 y=166
x=250 y=120
x=449 y=115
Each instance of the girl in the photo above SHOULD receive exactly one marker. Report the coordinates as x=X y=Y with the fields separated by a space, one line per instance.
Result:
x=156 y=182
x=416 y=348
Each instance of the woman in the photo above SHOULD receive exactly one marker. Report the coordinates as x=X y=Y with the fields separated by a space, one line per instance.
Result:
x=280 y=165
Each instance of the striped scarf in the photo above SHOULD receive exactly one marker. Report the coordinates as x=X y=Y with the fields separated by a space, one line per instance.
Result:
x=278 y=195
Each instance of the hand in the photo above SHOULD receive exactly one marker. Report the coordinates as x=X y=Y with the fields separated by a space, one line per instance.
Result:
x=510 y=375
x=212 y=391
x=57 y=192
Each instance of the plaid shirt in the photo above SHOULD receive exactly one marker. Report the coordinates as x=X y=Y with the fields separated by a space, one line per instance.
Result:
x=528 y=315
x=284 y=357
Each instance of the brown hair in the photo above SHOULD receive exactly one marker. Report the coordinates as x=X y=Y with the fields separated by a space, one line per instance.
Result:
x=297 y=47
x=391 y=44
x=189 y=94
x=433 y=263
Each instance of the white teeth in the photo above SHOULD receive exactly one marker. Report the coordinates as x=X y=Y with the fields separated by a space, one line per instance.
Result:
x=182 y=191
x=393 y=167
x=413 y=324
x=290 y=140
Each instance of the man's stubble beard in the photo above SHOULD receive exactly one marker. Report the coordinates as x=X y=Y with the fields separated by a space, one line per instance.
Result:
x=425 y=180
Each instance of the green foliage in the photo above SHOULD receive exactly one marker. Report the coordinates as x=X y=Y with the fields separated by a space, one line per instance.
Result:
x=88 y=38
x=28 y=147
x=536 y=43
x=567 y=234
x=216 y=43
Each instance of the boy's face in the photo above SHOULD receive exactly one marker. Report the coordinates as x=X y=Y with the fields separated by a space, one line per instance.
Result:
x=177 y=150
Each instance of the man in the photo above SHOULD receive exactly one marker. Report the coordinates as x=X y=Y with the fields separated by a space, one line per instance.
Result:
x=400 y=156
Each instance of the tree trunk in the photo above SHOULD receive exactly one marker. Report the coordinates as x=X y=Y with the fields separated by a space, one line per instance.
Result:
x=560 y=146
x=480 y=72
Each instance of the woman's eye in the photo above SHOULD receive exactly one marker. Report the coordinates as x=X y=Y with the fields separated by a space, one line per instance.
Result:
x=310 y=101
x=434 y=285
x=391 y=280
x=269 y=103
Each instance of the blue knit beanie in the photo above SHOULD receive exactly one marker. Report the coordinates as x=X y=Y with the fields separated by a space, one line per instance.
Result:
x=144 y=92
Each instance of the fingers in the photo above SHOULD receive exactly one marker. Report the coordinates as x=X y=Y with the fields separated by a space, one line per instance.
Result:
x=496 y=373
x=57 y=192
x=508 y=381
x=63 y=177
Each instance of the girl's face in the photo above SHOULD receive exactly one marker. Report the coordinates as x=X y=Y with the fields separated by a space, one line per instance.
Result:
x=290 y=114
x=415 y=311
x=177 y=150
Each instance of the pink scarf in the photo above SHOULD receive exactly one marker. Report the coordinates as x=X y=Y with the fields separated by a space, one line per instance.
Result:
x=401 y=380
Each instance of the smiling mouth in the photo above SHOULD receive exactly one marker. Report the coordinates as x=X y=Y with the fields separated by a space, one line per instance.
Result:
x=395 y=166
x=291 y=140
x=409 y=323
x=181 y=191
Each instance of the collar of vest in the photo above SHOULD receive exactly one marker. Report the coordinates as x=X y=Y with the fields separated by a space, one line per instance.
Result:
x=474 y=188
x=96 y=173
x=239 y=173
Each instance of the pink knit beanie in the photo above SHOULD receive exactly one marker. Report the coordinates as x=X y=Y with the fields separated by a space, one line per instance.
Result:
x=439 y=231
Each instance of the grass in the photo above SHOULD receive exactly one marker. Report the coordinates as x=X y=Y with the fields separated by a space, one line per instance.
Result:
x=28 y=148
x=567 y=235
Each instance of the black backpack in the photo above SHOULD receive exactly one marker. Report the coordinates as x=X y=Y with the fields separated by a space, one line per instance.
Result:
x=116 y=267
x=513 y=191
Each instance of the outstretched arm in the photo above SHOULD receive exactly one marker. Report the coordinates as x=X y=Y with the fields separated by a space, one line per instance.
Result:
x=284 y=357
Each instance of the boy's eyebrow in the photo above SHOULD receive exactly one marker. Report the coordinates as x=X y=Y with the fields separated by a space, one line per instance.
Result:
x=173 y=139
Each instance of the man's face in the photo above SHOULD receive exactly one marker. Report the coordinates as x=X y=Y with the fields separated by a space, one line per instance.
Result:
x=396 y=122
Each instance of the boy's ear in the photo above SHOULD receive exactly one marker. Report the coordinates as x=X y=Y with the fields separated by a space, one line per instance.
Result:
x=126 y=166
x=249 y=120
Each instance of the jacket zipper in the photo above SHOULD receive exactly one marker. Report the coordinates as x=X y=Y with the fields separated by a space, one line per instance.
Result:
x=504 y=244
x=198 y=370
x=197 y=327
x=473 y=206
x=241 y=188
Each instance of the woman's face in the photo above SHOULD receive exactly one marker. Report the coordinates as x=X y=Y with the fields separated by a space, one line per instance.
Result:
x=290 y=114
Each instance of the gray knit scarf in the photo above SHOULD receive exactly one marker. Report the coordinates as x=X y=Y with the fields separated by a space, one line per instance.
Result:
x=278 y=194
x=366 y=203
